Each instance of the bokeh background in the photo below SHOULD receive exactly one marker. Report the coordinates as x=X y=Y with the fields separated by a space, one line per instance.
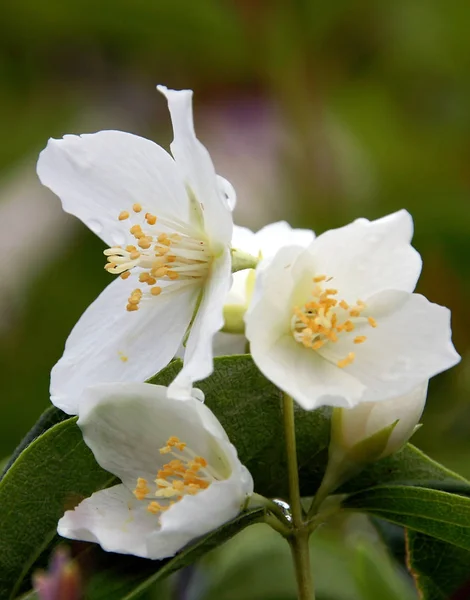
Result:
x=317 y=112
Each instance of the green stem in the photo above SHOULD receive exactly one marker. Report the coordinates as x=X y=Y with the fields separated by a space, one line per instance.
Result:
x=299 y=536
x=301 y=557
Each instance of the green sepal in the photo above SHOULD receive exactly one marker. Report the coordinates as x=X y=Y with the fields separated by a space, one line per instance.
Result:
x=372 y=448
x=242 y=260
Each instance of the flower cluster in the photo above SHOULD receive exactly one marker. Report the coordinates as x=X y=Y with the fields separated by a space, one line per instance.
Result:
x=331 y=320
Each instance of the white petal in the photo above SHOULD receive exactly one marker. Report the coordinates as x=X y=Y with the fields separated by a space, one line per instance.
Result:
x=198 y=357
x=303 y=374
x=237 y=294
x=113 y=518
x=411 y=343
x=366 y=257
x=270 y=238
x=275 y=284
x=197 y=515
x=407 y=409
x=196 y=165
x=111 y=344
x=244 y=239
x=275 y=235
x=126 y=424
x=99 y=175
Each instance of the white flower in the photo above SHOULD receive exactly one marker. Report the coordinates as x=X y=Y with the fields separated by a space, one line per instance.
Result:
x=354 y=425
x=180 y=474
x=168 y=223
x=336 y=323
x=264 y=243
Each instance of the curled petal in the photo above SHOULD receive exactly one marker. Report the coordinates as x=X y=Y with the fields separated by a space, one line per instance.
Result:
x=196 y=165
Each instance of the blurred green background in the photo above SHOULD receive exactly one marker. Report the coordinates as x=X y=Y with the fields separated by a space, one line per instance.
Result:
x=317 y=112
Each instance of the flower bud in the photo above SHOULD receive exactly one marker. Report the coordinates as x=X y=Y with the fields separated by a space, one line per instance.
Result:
x=366 y=433
x=373 y=430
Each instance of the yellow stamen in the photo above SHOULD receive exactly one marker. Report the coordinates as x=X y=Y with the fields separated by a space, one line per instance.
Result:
x=141 y=489
x=318 y=322
x=144 y=243
x=155 y=507
x=346 y=361
x=158 y=254
x=159 y=272
x=151 y=219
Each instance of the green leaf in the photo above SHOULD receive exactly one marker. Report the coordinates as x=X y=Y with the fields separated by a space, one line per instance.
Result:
x=439 y=514
x=408 y=466
x=51 y=475
x=441 y=571
x=58 y=465
x=49 y=417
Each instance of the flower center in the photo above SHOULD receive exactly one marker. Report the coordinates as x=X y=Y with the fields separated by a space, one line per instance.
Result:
x=187 y=474
x=324 y=318
x=165 y=251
